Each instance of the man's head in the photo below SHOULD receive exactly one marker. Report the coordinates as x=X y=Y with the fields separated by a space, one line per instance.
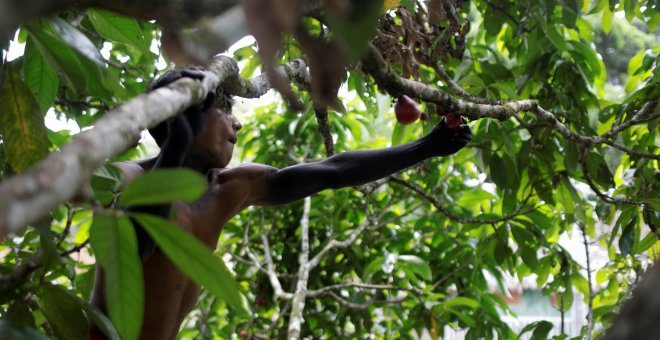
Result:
x=215 y=142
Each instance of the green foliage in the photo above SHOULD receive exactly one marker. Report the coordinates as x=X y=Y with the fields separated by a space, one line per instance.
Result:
x=21 y=124
x=193 y=258
x=157 y=187
x=115 y=246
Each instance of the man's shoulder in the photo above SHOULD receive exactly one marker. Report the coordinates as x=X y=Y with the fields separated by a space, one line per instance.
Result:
x=243 y=171
x=130 y=169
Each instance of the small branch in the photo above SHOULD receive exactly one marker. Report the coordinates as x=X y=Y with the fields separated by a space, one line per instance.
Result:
x=587 y=177
x=519 y=210
x=270 y=270
x=70 y=211
x=334 y=244
x=19 y=273
x=324 y=129
x=298 y=302
x=325 y=290
x=590 y=312
x=459 y=90
x=75 y=249
x=639 y=117
x=631 y=151
x=361 y=306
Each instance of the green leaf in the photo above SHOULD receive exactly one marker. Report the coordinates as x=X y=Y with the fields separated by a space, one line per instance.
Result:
x=39 y=76
x=19 y=314
x=498 y=171
x=541 y=330
x=63 y=313
x=118 y=28
x=599 y=171
x=627 y=239
x=193 y=258
x=567 y=298
x=571 y=155
x=570 y=13
x=627 y=216
x=556 y=37
x=59 y=56
x=417 y=266
x=164 y=186
x=77 y=40
x=528 y=255
x=355 y=29
x=462 y=301
x=108 y=177
x=115 y=245
x=400 y=134
x=647 y=242
x=15 y=332
x=607 y=20
x=24 y=135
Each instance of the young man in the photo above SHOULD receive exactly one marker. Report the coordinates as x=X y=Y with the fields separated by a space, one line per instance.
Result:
x=203 y=139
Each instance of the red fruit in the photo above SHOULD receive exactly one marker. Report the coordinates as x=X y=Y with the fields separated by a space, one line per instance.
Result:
x=406 y=110
x=424 y=116
x=453 y=120
x=244 y=334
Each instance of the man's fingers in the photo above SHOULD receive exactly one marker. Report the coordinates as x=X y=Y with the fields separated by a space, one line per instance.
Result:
x=196 y=74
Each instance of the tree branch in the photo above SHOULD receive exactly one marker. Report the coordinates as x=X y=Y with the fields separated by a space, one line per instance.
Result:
x=373 y=63
x=434 y=201
x=590 y=305
x=322 y=119
x=298 y=302
x=26 y=198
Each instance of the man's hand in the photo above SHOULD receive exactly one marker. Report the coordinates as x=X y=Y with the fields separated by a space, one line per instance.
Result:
x=194 y=116
x=445 y=141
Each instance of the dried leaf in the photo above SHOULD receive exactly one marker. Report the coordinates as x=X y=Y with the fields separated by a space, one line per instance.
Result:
x=268 y=31
x=437 y=13
x=326 y=66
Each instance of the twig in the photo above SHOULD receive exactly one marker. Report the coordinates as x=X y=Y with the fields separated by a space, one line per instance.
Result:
x=590 y=312
x=70 y=211
x=519 y=210
x=327 y=289
x=20 y=272
x=75 y=249
x=459 y=90
x=270 y=270
x=298 y=302
x=582 y=159
x=324 y=129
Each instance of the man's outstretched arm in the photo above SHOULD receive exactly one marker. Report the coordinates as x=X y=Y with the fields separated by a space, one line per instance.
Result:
x=359 y=167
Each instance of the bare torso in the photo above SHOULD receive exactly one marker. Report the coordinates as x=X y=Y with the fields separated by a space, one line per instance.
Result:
x=169 y=293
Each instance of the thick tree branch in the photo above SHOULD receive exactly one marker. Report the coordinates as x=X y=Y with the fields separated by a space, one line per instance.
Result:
x=20 y=272
x=172 y=12
x=374 y=64
x=26 y=198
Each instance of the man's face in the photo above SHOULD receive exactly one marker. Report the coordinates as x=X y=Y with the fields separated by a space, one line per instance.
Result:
x=216 y=140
